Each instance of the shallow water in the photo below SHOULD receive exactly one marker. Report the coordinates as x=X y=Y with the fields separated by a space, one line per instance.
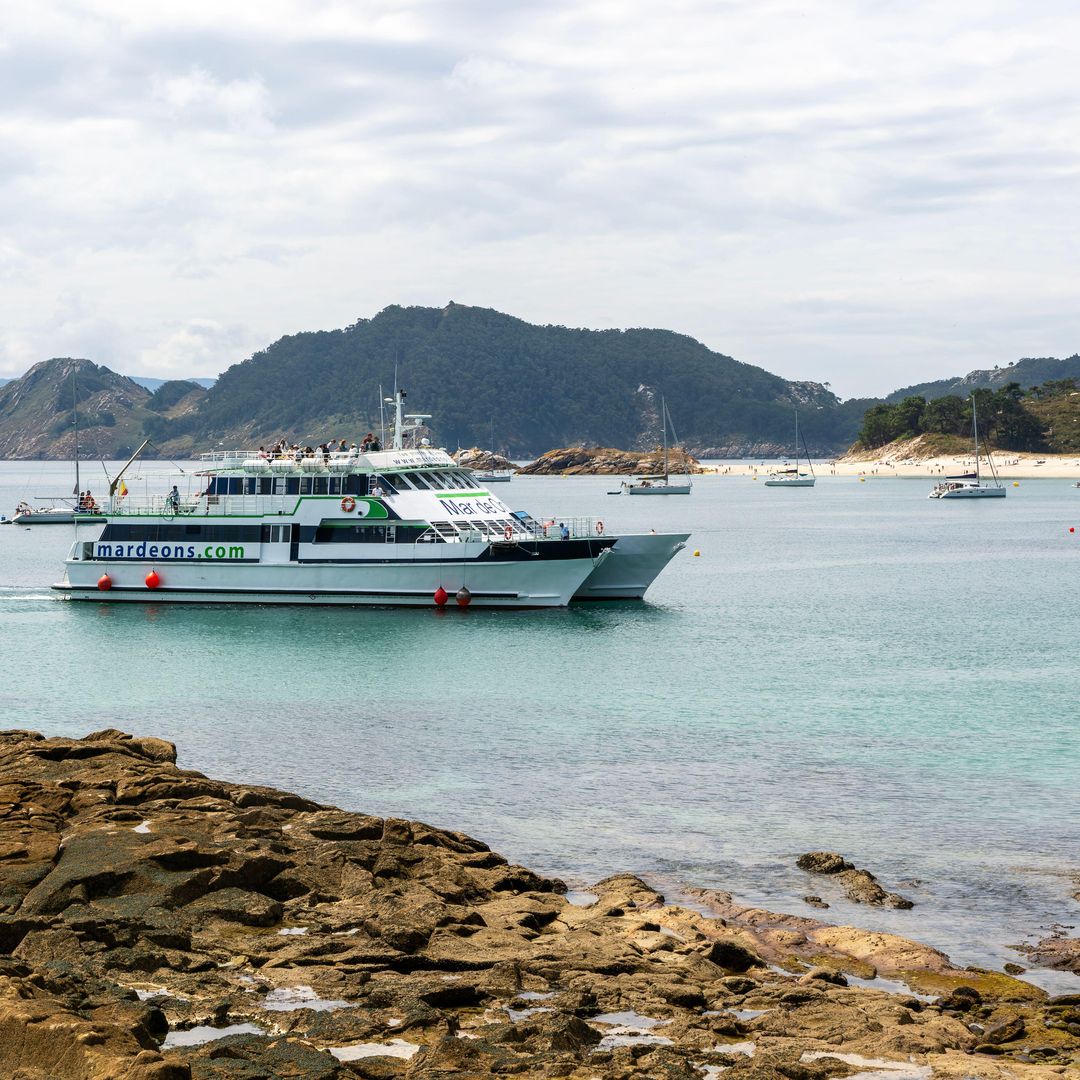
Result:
x=852 y=667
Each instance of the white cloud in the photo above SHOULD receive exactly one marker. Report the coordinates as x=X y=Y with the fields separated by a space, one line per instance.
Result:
x=869 y=194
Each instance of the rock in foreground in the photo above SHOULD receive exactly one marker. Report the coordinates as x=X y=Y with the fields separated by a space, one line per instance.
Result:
x=145 y=909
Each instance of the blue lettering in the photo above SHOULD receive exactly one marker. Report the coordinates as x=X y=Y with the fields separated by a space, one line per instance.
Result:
x=191 y=551
x=153 y=550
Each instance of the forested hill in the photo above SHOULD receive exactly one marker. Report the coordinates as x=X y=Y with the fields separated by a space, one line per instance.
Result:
x=1026 y=373
x=536 y=387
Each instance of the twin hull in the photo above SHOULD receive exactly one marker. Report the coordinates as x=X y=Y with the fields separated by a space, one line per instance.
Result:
x=621 y=569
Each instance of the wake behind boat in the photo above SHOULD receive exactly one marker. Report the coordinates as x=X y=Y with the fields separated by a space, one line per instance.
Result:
x=406 y=526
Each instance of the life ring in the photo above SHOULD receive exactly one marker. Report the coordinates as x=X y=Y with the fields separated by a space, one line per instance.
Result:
x=508 y=532
x=348 y=504
x=599 y=528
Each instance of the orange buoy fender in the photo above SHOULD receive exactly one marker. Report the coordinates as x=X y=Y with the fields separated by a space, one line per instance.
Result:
x=104 y=583
x=464 y=597
x=441 y=596
x=153 y=580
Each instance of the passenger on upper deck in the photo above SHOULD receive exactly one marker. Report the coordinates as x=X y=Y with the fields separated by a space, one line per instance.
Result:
x=375 y=444
x=365 y=443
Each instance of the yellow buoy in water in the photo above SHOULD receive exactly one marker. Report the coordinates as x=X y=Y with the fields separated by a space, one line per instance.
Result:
x=1016 y=483
x=696 y=554
x=862 y=479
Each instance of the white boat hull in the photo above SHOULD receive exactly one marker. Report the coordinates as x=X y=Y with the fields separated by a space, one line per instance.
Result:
x=802 y=482
x=412 y=583
x=45 y=517
x=632 y=566
x=657 y=489
x=969 y=493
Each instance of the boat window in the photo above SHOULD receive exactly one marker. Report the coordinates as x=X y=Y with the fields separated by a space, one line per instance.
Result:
x=305 y=485
x=335 y=486
x=353 y=483
x=266 y=485
x=292 y=485
x=347 y=534
x=279 y=485
x=399 y=481
x=319 y=486
x=409 y=534
x=418 y=481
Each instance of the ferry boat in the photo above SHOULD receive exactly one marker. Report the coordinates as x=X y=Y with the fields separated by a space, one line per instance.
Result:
x=404 y=526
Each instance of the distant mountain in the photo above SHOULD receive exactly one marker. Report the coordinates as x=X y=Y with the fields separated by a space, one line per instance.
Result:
x=489 y=377
x=38 y=411
x=1031 y=371
x=154 y=384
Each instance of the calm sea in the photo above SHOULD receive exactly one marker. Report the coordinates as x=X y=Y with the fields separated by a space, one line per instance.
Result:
x=852 y=667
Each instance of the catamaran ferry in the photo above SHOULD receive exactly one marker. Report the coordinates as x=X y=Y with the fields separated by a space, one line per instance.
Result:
x=404 y=526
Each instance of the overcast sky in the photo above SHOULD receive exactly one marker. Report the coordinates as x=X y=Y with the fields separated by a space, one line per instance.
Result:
x=864 y=193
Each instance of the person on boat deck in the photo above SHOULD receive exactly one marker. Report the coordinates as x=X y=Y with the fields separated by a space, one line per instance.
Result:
x=564 y=532
x=374 y=444
x=342 y=447
x=262 y=452
x=173 y=498
x=365 y=443
x=377 y=489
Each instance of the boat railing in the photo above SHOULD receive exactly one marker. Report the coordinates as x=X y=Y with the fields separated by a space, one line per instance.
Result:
x=264 y=461
x=201 y=506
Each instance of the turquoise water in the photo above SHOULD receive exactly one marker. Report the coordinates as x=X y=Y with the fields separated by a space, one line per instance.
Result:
x=852 y=667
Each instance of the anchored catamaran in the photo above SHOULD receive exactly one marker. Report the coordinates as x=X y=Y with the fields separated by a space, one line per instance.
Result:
x=405 y=526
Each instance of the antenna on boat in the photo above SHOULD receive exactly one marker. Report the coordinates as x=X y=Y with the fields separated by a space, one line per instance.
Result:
x=382 y=417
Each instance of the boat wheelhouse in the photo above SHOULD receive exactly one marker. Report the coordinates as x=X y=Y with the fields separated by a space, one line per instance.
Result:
x=405 y=526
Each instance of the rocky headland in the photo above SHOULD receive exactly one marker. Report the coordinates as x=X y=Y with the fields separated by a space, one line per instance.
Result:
x=605 y=461
x=157 y=924
x=484 y=460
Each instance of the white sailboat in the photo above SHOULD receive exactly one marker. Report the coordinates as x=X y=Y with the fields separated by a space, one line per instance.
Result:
x=970 y=485
x=494 y=476
x=660 y=484
x=793 y=477
x=60 y=510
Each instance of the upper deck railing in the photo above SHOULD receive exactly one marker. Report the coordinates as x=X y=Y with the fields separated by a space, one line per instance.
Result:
x=336 y=461
x=522 y=526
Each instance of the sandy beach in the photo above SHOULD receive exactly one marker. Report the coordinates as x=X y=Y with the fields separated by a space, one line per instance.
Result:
x=1009 y=467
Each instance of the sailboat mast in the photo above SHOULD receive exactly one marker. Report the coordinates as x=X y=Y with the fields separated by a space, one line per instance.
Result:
x=975 y=431
x=797 y=459
x=75 y=418
x=663 y=410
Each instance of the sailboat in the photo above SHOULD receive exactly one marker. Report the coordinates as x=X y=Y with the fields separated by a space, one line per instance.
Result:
x=493 y=476
x=659 y=484
x=792 y=477
x=970 y=485
x=62 y=511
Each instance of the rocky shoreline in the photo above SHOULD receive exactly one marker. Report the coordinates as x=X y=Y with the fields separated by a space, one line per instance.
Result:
x=157 y=924
x=607 y=461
